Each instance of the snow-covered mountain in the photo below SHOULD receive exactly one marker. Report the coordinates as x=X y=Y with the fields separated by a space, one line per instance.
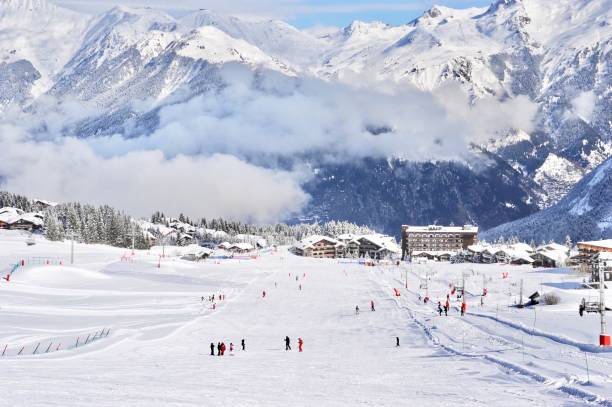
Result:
x=128 y=63
x=584 y=213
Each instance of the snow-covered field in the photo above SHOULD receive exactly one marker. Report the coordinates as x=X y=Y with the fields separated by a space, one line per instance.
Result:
x=150 y=333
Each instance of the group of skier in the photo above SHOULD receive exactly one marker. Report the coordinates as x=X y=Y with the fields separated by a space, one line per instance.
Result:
x=221 y=348
x=444 y=308
x=211 y=298
x=288 y=344
x=372 y=308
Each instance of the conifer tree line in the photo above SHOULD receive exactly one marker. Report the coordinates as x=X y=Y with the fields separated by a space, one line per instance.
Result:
x=279 y=233
x=91 y=224
x=87 y=223
x=15 y=201
x=107 y=225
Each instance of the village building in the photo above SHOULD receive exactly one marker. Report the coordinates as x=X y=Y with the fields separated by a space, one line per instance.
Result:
x=255 y=240
x=241 y=248
x=596 y=246
x=551 y=255
x=194 y=252
x=434 y=255
x=16 y=219
x=351 y=244
x=437 y=238
x=319 y=246
x=224 y=245
x=587 y=250
x=378 y=247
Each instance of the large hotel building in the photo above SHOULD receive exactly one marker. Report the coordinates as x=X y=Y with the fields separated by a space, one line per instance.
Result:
x=435 y=238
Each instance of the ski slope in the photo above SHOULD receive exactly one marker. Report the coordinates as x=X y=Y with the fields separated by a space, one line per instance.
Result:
x=152 y=335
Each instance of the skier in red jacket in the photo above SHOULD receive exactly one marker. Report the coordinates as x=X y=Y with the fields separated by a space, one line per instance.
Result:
x=300 y=344
x=463 y=308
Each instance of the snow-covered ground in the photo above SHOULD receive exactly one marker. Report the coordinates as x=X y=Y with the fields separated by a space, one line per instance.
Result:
x=152 y=333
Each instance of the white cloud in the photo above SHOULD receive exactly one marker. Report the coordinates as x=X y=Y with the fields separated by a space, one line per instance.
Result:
x=215 y=155
x=584 y=104
x=272 y=115
x=143 y=181
x=247 y=8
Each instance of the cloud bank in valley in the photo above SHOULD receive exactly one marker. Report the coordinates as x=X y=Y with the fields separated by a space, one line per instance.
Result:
x=213 y=154
x=272 y=114
x=143 y=181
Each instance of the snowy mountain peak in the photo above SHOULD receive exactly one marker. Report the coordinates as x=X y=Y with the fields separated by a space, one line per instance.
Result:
x=362 y=28
x=215 y=46
x=24 y=5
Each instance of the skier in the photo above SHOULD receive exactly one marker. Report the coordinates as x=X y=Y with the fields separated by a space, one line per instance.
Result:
x=300 y=344
x=231 y=347
x=263 y=294
x=287 y=343
x=357 y=310
x=202 y=298
x=243 y=345
x=222 y=348
x=440 y=308
x=463 y=308
x=446 y=307
x=372 y=305
x=397 y=341
x=300 y=287
x=212 y=349
x=218 y=348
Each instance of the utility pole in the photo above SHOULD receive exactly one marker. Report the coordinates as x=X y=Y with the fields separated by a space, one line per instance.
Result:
x=463 y=288
x=72 y=248
x=604 y=338
x=133 y=237
x=484 y=289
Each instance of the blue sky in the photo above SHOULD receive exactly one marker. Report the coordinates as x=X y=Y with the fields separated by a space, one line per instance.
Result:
x=342 y=12
x=301 y=13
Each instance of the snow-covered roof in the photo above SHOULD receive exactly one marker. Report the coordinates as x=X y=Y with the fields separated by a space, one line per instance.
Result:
x=242 y=246
x=195 y=250
x=442 y=229
x=553 y=251
x=10 y=216
x=247 y=238
x=607 y=244
x=7 y=213
x=383 y=242
x=310 y=241
x=434 y=253
x=45 y=202
x=32 y=218
x=522 y=246
x=477 y=248
x=552 y=247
